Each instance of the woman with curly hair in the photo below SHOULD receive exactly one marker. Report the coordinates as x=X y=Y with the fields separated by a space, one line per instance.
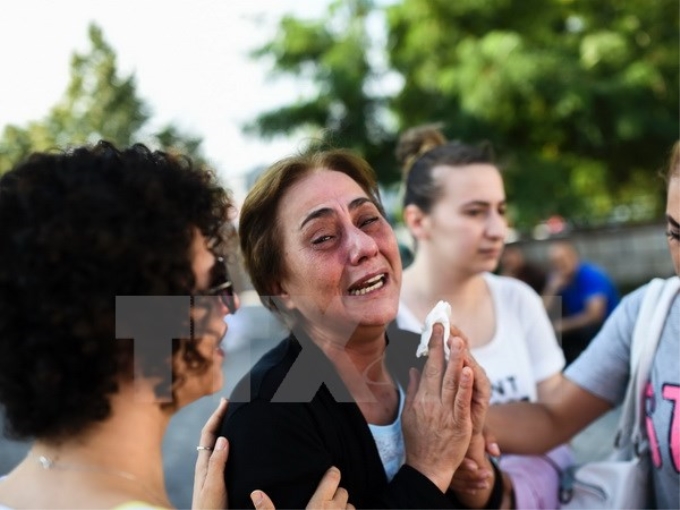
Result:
x=112 y=303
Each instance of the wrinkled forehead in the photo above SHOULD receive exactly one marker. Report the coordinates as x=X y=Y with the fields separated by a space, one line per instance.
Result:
x=321 y=188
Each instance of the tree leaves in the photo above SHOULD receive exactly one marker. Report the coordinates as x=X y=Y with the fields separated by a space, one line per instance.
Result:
x=98 y=103
x=580 y=99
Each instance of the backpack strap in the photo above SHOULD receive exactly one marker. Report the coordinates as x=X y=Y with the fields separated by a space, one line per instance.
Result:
x=649 y=325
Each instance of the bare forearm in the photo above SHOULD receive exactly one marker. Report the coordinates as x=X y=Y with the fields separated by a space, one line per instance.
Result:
x=580 y=320
x=534 y=428
x=524 y=428
x=592 y=315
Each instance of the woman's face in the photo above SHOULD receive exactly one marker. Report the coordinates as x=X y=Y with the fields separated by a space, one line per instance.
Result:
x=341 y=261
x=673 y=220
x=466 y=227
x=210 y=328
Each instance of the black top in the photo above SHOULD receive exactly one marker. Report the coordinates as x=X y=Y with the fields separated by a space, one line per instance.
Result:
x=291 y=418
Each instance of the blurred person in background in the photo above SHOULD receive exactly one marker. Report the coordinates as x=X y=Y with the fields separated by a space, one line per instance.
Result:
x=514 y=263
x=596 y=382
x=580 y=295
x=84 y=369
x=454 y=207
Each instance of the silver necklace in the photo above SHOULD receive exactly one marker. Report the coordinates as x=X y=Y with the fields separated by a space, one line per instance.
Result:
x=49 y=464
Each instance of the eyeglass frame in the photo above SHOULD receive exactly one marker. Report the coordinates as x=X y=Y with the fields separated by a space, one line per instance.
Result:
x=224 y=289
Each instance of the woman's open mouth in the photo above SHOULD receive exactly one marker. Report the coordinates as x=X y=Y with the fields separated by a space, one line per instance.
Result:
x=369 y=285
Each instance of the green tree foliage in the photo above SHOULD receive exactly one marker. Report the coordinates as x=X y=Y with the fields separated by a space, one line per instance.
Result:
x=98 y=104
x=332 y=54
x=579 y=98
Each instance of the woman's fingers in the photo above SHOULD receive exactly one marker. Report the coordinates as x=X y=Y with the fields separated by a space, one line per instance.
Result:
x=481 y=394
x=328 y=494
x=431 y=378
x=469 y=472
x=412 y=390
x=326 y=489
x=455 y=331
x=213 y=492
x=491 y=446
x=207 y=443
x=463 y=401
x=450 y=381
x=436 y=418
x=212 y=425
x=482 y=382
x=261 y=501
x=340 y=498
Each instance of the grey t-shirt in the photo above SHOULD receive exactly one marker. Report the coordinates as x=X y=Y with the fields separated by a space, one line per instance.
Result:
x=603 y=369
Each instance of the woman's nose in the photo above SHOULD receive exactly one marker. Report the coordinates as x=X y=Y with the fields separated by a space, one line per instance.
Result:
x=497 y=225
x=361 y=246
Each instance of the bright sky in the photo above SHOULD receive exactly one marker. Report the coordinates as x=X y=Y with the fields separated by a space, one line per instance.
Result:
x=189 y=58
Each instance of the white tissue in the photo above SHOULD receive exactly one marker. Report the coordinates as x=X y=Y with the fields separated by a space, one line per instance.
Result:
x=441 y=313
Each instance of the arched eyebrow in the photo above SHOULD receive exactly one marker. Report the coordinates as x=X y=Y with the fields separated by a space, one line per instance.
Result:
x=327 y=211
x=481 y=203
x=672 y=221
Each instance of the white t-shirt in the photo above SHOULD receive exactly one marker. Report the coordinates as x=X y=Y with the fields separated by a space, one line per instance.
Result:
x=523 y=350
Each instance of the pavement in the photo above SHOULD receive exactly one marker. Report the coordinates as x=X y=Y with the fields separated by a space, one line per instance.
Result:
x=252 y=332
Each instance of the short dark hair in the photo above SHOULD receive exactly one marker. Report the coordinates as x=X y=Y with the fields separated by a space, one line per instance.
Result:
x=259 y=234
x=78 y=228
x=420 y=150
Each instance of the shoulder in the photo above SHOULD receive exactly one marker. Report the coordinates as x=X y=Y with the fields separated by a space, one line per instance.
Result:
x=624 y=316
x=593 y=272
x=603 y=368
x=255 y=403
x=264 y=378
x=293 y=376
x=631 y=302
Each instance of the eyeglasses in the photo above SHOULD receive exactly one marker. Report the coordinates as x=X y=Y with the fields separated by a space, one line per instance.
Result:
x=221 y=286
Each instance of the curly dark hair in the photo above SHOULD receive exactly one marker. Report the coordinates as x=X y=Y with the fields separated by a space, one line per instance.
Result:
x=79 y=228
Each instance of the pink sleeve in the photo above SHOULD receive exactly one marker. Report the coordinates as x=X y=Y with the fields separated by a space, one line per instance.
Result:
x=535 y=479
